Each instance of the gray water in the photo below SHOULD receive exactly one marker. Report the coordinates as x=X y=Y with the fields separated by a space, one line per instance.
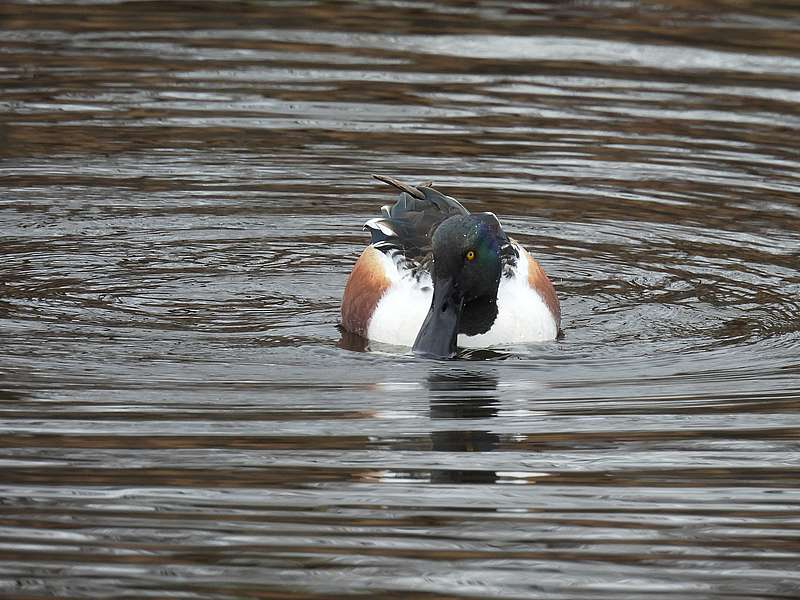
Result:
x=182 y=189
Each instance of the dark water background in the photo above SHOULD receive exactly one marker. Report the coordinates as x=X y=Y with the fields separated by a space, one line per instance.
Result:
x=182 y=187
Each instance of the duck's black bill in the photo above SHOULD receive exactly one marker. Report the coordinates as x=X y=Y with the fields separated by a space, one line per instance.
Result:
x=439 y=332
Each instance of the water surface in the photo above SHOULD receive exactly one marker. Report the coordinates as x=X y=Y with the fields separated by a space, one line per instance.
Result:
x=182 y=189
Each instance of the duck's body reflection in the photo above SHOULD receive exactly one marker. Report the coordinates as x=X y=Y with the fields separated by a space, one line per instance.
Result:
x=463 y=394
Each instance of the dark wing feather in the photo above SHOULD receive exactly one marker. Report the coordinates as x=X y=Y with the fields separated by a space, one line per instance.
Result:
x=409 y=223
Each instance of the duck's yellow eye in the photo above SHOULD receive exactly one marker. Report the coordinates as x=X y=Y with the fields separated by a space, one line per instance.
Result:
x=470 y=255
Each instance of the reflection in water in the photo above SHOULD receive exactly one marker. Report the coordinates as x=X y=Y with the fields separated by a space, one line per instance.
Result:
x=457 y=393
x=352 y=341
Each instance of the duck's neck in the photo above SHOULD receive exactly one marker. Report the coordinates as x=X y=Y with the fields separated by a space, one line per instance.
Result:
x=478 y=315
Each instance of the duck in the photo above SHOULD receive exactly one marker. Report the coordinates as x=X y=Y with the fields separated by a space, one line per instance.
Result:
x=437 y=278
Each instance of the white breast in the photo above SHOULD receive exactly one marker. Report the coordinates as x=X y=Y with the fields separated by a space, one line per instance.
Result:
x=522 y=315
x=402 y=309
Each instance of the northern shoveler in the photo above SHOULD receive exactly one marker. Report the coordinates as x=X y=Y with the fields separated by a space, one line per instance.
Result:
x=435 y=277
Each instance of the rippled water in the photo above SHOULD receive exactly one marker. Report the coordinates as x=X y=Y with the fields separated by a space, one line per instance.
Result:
x=182 y=188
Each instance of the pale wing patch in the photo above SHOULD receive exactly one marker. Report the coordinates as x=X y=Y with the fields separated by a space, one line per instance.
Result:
x=381 y=225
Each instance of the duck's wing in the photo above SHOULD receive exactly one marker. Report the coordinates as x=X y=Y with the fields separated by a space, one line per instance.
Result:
x=407 y=226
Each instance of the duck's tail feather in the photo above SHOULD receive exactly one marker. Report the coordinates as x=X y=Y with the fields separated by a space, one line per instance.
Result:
x=409 y=223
